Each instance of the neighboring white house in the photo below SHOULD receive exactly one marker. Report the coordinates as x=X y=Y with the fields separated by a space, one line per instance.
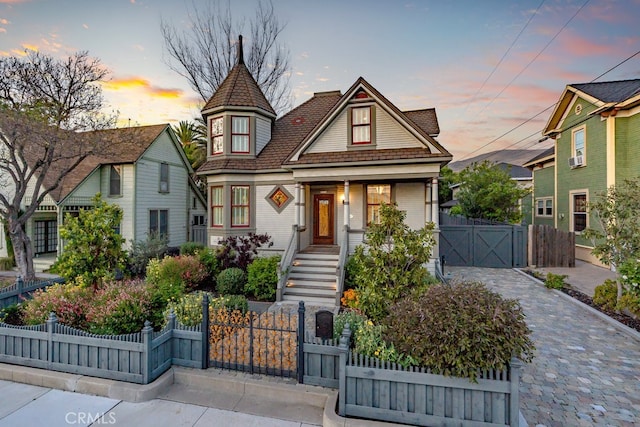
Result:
x=314 y=178
x=148 y=176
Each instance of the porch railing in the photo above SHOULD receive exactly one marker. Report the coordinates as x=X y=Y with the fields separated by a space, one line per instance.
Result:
x=285 y=262
x=342 y=260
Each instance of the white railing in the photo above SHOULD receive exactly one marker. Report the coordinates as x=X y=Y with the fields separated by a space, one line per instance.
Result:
x=342 y=260
x=285 y=262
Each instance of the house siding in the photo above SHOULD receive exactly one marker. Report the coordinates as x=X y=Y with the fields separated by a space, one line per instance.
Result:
x=627 y=147
x=126 y=200
x=410 y=198
x=263 y=133
x=389 y=134
x=268 y=220
x=591 y=177
x=149 y=197
x=544 y=180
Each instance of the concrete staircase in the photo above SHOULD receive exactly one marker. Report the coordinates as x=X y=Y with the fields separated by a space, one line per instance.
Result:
x=43 y=263
x=312 y=279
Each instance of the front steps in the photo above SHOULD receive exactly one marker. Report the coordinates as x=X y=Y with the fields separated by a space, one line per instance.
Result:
x=312 y=279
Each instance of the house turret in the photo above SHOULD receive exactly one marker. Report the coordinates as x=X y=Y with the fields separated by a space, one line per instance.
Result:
x=239 y=117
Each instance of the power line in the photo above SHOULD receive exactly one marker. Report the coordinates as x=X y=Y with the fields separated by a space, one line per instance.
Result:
x=552 y=105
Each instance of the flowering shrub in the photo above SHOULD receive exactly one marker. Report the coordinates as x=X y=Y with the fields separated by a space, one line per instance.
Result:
x=630 y=274
x=630 y=302
x=370 y=342
x=119 y=308
x=188 y=309
x=606 y=294
x=174 y=270
x=350 y=298
x=69 y=302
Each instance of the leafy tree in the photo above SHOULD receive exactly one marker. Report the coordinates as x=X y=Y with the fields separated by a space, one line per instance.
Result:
x=93 y=248
x=616 y=212
x=193 y=141
x=489 y=192
x=447 y=178
x=392 y=263
x=44 y=102
x=204 y=54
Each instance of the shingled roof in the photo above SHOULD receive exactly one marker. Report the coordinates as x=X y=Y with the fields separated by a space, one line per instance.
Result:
x=126 y=145
x=615 y=91
x=239 y=89
x=425 y=119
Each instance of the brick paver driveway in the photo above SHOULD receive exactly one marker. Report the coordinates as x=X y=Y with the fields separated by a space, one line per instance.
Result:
x=585 y=371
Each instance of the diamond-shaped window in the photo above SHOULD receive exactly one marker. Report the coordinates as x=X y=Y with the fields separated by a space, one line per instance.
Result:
x=279 y=198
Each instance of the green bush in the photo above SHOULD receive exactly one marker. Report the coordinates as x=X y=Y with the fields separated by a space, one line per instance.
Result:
x=185 y=270
x=231 y=302
x=119 y=308
x=231 y=281
x=188 y=309
x=555 y=281
x=369 y=341
x=351 y=271
x=209 y=259
x=630 y=302
x=190 y=248
x=154 y=247
x=68 y=301
x=459 y=329
x=12 y=314
x=163 y=289
x=262 y=278
x=606 y=295
x=353 y=318
x=7 y=264
x=630 y=276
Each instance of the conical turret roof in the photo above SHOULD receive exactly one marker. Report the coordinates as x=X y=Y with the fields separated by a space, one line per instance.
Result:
x=239 y=89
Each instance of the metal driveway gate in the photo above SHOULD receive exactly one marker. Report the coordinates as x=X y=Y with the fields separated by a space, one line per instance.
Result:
x=496 y=246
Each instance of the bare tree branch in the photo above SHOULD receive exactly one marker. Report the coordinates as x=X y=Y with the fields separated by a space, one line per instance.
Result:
x=206 y=52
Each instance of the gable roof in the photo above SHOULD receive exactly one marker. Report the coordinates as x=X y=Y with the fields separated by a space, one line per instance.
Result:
x=126 y=146
x=287 y=133
x=425 y=119
x=544 y=157
x=613 y=95
x=361 y=83
x=515 y=172
x=239 y=89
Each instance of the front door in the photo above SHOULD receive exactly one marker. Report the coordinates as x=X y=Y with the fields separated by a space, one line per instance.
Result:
x=323 y=219
x=46 y=237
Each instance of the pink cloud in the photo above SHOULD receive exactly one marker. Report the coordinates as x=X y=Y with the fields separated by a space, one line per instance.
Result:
x=578 y=45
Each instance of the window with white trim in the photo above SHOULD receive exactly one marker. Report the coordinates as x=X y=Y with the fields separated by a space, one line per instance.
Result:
x=115 y=180
x=578 y=143
x=239 y=134
x=164 y=178
x=544 y=207
x=159 y=222
x=217 y=135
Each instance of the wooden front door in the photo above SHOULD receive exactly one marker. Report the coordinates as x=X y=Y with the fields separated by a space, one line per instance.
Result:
x=323 y=219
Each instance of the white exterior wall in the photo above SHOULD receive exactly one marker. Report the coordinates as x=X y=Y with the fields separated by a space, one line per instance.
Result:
x=410 y=198
x=3 y=244
x=126 y=201
x=90 y=186
x=268 y=220
x=148 y=196
x=389 y=134
x=263 y=133
x=357 y=206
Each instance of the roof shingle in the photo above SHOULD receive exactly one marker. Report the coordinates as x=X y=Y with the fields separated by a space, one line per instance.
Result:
x=615 y=91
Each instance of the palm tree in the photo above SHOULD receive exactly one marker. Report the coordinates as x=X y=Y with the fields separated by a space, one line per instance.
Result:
x=192 y=136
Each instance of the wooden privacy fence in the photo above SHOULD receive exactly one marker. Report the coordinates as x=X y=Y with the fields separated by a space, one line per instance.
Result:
x=550 y=247
x=138 y=358
x=15 y=293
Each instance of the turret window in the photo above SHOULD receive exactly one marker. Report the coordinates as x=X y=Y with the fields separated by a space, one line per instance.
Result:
x=217 y=133
x=240 y=134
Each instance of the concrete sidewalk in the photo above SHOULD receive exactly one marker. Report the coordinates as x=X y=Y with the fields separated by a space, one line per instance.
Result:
x=584 y=277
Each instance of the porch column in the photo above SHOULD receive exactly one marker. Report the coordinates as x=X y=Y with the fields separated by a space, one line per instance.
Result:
x=434 y=200
x=297 y=203
x=427 y=202
x=303 y=210
x=347 y=220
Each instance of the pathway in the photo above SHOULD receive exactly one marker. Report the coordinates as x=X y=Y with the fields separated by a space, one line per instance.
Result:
x=585 y=371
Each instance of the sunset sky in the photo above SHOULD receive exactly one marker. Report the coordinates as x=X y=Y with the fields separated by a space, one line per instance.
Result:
x=486 y=66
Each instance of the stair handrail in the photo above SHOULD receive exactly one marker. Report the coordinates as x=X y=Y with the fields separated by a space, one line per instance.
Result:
x=342 y=261
x=285 y=262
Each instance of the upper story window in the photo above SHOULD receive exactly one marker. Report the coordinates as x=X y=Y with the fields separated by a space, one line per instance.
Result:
x=578 y=143
x=361 y=125
x=376 y=196
x=239 y=134
x=217 y=206
x=115 y=180
x=164 y=178
x=240 y=206
x=217 y=135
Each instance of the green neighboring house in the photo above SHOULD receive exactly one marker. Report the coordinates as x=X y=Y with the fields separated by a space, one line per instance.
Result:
x=596 y=129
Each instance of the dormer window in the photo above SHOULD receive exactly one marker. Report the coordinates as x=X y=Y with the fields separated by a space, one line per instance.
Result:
x=361 y=125
x=239 y=134
x=217 y=135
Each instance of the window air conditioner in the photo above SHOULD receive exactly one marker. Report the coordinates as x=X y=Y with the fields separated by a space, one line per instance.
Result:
x=576 y=161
